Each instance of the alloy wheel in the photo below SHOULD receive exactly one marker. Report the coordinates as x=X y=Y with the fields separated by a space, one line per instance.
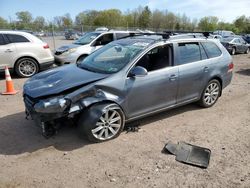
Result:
x=27 y=68
x=212 y=93
x=108 y=125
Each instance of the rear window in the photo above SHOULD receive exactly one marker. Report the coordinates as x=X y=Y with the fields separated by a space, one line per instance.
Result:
x=16 y=38
x=189 y=52
x=212 y=49
x=2 y=42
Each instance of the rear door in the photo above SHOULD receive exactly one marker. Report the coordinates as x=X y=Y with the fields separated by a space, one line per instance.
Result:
x=193 y=70
x=7 y=52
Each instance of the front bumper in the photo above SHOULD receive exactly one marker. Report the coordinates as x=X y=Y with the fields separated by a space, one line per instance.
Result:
x=41 y=117
x=64 y=59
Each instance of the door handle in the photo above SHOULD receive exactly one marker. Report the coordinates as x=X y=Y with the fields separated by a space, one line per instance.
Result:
x=8 y=50
x=206 y=69
x=172 y=77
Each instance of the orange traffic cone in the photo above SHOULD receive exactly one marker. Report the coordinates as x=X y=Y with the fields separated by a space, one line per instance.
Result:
x=9 y=84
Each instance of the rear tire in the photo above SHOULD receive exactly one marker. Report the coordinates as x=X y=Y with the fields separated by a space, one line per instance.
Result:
x=26 y=67
x=210 y=94
x=101 y=122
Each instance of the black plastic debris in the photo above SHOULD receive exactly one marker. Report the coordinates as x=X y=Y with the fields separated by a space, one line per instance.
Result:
x=132 y=129
x=189 y=154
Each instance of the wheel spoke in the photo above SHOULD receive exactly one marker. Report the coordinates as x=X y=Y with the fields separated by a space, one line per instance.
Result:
x=97 y=129
x=107 y=115
x=115 y=125
x=113 y=114
x=106 y=133
x=112 y=130
x=115 y=119
x=101 y=133
x=102 y=119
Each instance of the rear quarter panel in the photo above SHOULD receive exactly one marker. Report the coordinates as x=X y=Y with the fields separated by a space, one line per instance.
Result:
x=34 y=50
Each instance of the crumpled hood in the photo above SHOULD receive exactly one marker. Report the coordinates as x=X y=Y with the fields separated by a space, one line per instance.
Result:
x=57 y=80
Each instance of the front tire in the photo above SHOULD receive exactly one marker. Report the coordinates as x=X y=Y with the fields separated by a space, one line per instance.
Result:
x=26 y=67
x=247 y=51
x=210 y=94
x=233 y=52
x=101 y=122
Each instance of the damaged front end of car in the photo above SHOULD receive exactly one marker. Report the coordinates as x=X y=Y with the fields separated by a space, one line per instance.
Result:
x=49 y=113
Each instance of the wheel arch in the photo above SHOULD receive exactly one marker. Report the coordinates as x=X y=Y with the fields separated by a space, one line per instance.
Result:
x=219 y=79
x=27 y=57
x=82 y=55
x=107 y=101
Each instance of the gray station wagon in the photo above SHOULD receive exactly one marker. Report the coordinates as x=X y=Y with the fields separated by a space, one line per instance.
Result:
x=126 y=80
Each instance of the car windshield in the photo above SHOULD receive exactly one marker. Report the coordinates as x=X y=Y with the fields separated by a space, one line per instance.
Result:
x=112 y=57
x=227 y=39
x=87 y=38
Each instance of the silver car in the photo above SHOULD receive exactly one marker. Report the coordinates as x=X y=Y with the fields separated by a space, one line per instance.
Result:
x=24 y=53
x=126 y=80
x=85 y=45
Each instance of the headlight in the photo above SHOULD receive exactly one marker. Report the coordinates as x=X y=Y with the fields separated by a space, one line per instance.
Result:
x=71 y=50
x=53 y=105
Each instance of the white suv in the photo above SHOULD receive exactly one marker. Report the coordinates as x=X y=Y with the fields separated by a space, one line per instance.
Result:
x=87 y=44
x=24 y=53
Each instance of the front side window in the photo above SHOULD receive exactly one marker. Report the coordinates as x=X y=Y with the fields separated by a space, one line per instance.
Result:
x=212 y=49
x=16 y=38
x=155 y=59
x=111 y=58
x=105 y=39
x=189 y=52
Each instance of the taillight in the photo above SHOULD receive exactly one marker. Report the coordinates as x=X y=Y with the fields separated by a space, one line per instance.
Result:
x=45 y=46
x=230 y=67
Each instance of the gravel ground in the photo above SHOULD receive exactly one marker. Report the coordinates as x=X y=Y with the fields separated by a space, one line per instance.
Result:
x=133 y=159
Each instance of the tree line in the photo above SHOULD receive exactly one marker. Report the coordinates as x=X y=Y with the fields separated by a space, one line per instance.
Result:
x=141 y=18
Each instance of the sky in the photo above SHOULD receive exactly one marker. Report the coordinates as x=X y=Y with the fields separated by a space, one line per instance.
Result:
x=225 y=10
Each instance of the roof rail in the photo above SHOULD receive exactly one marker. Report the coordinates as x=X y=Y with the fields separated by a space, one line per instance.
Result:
x=164 y=35
x=205 y=33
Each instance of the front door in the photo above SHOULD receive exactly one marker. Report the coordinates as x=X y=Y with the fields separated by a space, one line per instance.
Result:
x=156 y=90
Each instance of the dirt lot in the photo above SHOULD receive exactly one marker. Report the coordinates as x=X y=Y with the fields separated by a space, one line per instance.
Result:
x=133 y=159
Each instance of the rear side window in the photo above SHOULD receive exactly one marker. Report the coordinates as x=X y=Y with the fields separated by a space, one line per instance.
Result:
x=189 y=52
x=2 y=42
x=212 y=49
x=16 y=38
x=121 y=35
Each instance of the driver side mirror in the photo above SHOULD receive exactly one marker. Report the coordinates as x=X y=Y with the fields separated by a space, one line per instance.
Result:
x=138 y=71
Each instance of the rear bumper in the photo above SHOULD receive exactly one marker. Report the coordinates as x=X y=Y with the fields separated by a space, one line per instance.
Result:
x=227 y=79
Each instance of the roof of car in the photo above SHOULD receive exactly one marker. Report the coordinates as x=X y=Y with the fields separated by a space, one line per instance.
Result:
x=23 y=33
